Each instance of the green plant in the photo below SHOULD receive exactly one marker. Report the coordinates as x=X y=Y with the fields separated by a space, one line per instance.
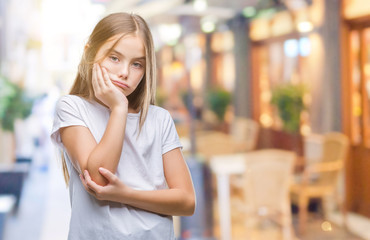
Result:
x=160 y=97
x=288 y=99
x=218 y=99
x=14 y=104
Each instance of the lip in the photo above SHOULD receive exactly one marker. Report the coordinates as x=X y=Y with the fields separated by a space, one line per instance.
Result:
x=119 y=84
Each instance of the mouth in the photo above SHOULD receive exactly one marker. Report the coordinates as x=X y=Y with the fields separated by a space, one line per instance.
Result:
x=119 y=84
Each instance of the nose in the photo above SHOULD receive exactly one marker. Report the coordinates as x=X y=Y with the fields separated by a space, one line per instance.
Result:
x=123 y=71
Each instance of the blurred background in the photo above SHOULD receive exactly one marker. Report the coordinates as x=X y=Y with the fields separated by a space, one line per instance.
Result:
x=271 y=100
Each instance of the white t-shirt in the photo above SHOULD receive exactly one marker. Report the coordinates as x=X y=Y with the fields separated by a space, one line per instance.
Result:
x=140 y=167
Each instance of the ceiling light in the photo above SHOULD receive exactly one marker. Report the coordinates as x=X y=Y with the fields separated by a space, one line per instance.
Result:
x=200 y=5
x=208 y=24
x=305 y=26
x=208 y=27
x=170 y=33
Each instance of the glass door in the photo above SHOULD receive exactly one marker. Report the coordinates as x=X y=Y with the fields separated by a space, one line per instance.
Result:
x=360 y=86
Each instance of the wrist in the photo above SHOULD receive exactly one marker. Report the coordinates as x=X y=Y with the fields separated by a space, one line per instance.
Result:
x=120 y=109
x=128 y=194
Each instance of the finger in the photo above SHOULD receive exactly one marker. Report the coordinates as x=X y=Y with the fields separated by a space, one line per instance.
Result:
x=94 y=80
x=106 y=76
x=107 y=79
x=90 y=183
x=107 y=174
x=86 y=187
x=98 y=86
x=99 y=75
x=83 y=181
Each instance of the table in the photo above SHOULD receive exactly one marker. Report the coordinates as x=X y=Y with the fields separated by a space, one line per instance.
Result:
x=211 y=143
x=7 y=203
x=223 y=166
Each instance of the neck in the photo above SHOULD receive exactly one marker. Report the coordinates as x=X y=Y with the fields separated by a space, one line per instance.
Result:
x=131 y=110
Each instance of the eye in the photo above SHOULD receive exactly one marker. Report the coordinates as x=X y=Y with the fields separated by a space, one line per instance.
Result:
x=114 y=58
x=137 y=65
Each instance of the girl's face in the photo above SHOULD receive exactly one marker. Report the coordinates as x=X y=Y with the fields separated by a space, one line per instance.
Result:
x=125 y=63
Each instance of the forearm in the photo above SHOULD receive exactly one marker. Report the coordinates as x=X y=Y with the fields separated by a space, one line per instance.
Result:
x=108 y=151
x=166 y=201
x=178 y=199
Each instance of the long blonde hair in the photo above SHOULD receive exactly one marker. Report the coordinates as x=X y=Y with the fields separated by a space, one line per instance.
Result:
x=117 y=24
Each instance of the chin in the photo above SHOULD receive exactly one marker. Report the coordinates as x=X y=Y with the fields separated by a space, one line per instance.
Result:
x=124 y=93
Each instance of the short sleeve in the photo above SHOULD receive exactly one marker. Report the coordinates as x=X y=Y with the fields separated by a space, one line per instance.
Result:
x=66 y=114
x=170 y=137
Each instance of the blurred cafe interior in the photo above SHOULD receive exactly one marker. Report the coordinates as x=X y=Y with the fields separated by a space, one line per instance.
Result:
x=270 y=98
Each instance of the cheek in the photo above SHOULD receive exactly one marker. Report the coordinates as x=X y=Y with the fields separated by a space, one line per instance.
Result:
x=106 y=65
x=110 y=69
x=139 y=78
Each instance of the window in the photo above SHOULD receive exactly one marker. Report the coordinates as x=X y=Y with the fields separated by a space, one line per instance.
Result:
x=360 y=85
x=278 y=62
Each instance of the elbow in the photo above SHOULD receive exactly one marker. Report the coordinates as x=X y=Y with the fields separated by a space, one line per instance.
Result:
x=189 y=206
x=100 y=180
x=95 y=175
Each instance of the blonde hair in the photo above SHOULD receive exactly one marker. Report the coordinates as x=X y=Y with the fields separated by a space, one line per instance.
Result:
x=118 y=24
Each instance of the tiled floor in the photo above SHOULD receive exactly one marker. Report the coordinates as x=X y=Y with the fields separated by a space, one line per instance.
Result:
x=29 y=217
x=44 y=209
x=315 y=231
x=44 y=212
x=317 y=228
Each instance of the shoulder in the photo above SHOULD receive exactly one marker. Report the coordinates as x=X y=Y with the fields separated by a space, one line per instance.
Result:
x=160 y=117
x=70 y=103
x=158 y=112
x=70 y=99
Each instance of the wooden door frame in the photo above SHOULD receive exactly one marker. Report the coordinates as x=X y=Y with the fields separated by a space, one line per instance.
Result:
x=356 y=197
x=346 y=27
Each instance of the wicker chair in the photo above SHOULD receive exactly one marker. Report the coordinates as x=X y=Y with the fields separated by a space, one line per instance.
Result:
x=245 y=130
x=267 y=179
x=320 y=178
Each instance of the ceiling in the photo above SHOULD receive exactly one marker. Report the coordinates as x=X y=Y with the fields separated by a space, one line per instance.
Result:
x=162 y=10
x=159 y=12
x=222 y=9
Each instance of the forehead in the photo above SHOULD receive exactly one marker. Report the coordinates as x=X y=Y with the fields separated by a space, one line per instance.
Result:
x=132 y=42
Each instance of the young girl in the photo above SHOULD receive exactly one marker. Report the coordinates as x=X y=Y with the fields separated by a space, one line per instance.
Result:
x=121 y=154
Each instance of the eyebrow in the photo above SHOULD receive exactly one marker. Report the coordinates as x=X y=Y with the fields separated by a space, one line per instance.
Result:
x=121 y=55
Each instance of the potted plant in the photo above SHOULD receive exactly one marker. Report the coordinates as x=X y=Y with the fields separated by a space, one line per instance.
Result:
x=14 y=104
x=218 y=100
x=288 y=99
